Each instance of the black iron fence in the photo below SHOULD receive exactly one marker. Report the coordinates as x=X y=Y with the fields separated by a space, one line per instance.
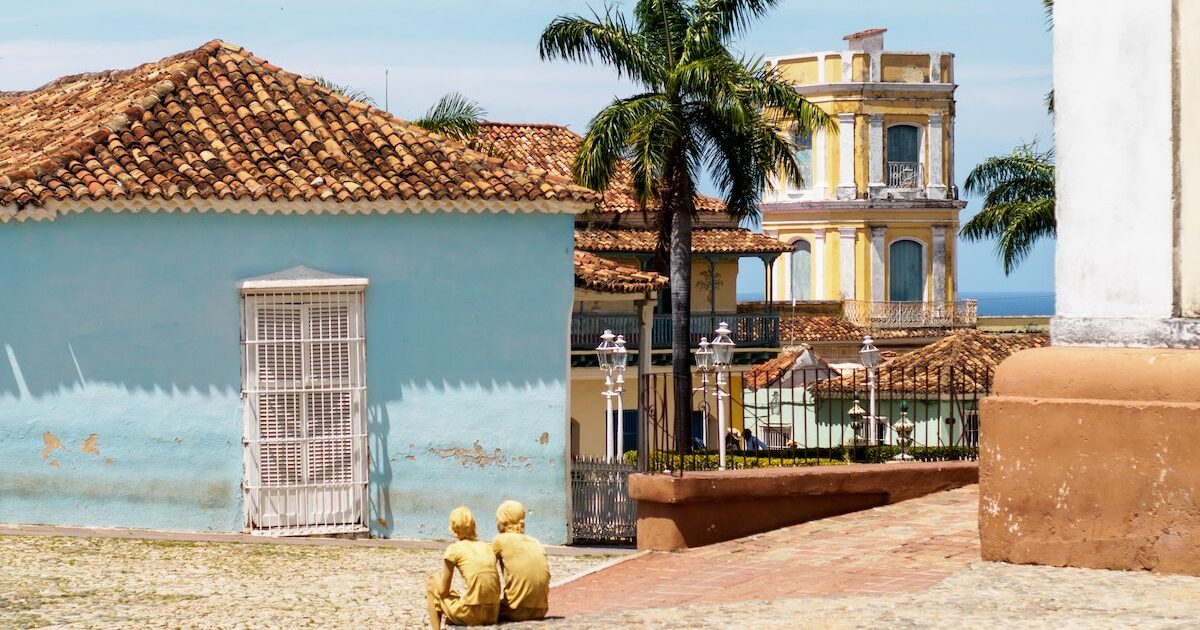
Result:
x=815 y=416
x=601 y=510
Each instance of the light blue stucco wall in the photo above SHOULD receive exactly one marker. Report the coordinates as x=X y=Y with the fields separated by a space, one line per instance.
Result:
x=126 y=327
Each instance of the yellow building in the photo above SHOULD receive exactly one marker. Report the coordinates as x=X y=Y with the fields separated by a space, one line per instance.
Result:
x=875 y=220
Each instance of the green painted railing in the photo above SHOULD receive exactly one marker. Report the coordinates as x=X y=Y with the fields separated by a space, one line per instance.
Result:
x=750 y=330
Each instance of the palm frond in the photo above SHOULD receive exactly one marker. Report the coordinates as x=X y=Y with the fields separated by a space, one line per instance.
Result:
x=453 y=115
x=1018 y=205
x=347 y=91
x=607 y=38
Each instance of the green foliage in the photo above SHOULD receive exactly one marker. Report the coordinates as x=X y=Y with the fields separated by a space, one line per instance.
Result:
x=709 y=460
x=453 y=115
x=1018 y=204
x=883 y=454
x=347 y=91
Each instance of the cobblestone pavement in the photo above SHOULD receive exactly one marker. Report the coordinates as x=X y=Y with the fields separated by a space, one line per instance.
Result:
x=904 y=547
x=121 y=583
x=984 y=595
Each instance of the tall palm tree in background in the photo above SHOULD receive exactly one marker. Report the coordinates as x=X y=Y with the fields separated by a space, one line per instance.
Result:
x=1018 y=190
x=350 y=92
x=453 y=115
x=701 y=107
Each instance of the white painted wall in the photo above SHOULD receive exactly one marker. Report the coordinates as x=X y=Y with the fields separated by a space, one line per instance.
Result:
x=1112 y=80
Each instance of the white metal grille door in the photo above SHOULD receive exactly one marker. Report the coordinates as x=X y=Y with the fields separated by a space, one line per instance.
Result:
x=304 y=392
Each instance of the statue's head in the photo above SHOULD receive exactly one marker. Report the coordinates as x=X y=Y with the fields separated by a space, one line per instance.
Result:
x=510 y=517
x=462 y=524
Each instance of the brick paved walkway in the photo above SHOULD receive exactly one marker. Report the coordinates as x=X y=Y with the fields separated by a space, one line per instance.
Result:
x=900 y=548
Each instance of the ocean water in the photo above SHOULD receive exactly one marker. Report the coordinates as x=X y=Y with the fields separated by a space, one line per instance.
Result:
x=990 y=302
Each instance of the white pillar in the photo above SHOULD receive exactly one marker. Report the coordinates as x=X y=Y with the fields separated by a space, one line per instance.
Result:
x=935 y=67
x=846 y=189
x=875 y=181
x=937 y=180
x=875 y=70
x=847 y=66
x=818 y=183
x=847 y=262
x=939 y=264
x=821 y=68
x=818 y=263
x=787 y=274
x=877 y=277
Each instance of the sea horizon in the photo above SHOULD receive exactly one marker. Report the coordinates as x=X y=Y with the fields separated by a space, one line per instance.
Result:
x=991 y=303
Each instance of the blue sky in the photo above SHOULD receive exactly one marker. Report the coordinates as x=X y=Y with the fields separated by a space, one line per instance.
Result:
x=487 y=50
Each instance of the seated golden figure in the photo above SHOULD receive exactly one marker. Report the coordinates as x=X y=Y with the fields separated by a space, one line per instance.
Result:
x=479 y=605
x=523 y=564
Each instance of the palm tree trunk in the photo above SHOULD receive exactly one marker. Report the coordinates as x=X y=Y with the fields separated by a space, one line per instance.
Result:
x=678 y=200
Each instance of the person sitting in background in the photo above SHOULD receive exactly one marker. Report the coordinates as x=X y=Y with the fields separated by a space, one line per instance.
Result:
x=732 y=442
x=479 y=605
x=752 y=443
x=523 y=565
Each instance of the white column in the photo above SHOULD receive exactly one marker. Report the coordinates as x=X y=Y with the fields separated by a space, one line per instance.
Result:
x=875 y=71
x=847 y=262
x=846 y=189
x=821 y=68
x=819 y=183
x=877 y=277
x=818 y=263
x=935 y=67
x=875 y=181
x=937 y=180
x=847 y=66
x=939 y=264
x=787 y=275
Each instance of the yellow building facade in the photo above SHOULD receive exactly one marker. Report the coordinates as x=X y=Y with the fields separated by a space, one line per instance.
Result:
x=875 y=220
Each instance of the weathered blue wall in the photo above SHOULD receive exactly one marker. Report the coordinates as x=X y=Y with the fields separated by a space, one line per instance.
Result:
x=126 y=327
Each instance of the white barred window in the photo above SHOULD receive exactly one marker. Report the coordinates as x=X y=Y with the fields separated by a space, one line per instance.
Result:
x=304 y=393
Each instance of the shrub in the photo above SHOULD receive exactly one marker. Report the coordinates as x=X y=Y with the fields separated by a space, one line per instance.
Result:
x=734 y=460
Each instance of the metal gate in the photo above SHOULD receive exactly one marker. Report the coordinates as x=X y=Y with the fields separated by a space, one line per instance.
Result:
x=601 y=510
x=304 y=397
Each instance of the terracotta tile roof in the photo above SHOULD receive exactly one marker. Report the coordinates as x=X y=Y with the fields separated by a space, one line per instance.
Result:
x=553 y=148
x=864 y=33
x=704 y=241
x=219 y=123
x=965 y=360
x=803 y=365
x=810 y=329
x=600 y=274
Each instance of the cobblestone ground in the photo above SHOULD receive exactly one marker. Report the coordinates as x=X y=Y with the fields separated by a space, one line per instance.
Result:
x=985 y=595
x=113 y=583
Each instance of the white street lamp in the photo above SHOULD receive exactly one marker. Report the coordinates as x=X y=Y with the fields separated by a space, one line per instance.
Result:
x=871 y=358
x=722 y=357
x=704 y=364
x=620 y=360
x=605 y=355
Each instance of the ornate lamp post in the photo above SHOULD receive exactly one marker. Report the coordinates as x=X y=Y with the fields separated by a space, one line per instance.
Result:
x=704 y=364
x=722 y=349
x=904 y=429
x=620 y=358
x=871 y=358
x=604 y=354
x=856 y=414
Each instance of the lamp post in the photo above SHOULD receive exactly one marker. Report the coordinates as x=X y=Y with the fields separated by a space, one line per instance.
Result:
x=904 y=429
x=704 y=364
x=722 y=357
x=620 y=359
x=856 y=414
x=604 y=353
x=870 y=357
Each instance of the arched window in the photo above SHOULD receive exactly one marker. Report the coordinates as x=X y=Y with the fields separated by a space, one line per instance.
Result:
x=906 y=271
x=804 y=159
x=903 y=156
x=801 y=270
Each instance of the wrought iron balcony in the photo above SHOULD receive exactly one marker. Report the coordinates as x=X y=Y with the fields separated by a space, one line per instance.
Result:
x=750 y=330
x=960 y=314
x=904 y=175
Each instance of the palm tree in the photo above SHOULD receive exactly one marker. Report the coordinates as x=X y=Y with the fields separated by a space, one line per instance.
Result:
x=350 y=92
x=700 y=107
x=453 y=115
x=1018 y=203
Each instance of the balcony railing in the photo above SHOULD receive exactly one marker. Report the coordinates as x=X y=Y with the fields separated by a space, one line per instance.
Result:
x=750 y=330
x=904 y=175
x=961 y=314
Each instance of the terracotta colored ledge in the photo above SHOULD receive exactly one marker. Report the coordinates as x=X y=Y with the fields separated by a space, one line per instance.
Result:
x=1088 y=458
x=703 y=508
